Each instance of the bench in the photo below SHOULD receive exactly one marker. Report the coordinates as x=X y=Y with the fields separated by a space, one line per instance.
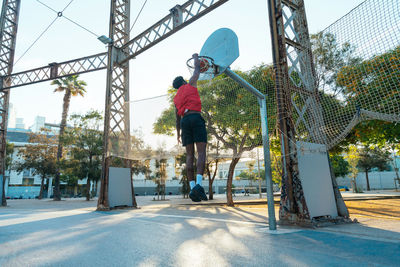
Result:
x=245 y=190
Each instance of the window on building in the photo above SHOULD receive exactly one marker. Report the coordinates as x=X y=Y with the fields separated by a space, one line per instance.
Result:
x=27 y=172
x=237 y=173
x=27 y=181
x=223 y=174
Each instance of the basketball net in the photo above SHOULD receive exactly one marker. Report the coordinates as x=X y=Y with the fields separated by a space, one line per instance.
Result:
x=208 y=69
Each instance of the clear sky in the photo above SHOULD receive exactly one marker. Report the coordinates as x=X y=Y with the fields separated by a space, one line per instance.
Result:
x=151 y=73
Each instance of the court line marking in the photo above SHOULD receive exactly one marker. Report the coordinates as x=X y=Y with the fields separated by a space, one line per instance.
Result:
x=148 y=214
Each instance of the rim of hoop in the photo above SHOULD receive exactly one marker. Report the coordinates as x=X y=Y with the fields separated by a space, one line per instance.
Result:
x=189 y=61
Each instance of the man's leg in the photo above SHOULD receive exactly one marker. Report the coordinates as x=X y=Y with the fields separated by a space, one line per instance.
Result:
x=189 y=162
x=201 y=162
x=190 y=172
x=201 y=157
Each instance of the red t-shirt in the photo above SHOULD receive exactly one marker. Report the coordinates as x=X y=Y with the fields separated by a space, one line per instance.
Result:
x=187 y=98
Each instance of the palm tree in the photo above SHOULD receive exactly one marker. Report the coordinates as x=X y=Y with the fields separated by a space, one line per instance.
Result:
x=71 y=86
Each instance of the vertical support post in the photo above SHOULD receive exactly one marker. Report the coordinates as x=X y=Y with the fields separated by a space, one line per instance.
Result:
x=53 y=70
x=116 y=117
x=267 y=163
x=8 y=36
x=177 y=15
x=293 y=207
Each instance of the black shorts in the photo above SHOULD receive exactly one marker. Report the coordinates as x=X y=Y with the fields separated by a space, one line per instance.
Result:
x=193 y=129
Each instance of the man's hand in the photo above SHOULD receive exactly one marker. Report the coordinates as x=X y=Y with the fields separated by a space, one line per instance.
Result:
x=196 y=72
x=196 y=59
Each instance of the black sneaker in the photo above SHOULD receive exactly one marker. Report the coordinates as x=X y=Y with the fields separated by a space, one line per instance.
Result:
x=199 y=190
x=194 y=196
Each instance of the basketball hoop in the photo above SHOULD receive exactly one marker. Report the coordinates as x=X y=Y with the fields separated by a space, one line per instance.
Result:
x=207 y=67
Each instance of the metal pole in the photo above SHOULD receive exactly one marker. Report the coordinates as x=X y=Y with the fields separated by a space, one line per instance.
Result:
x=8 y=37
x=264 y=126
x=244 y=83
x=267 y=164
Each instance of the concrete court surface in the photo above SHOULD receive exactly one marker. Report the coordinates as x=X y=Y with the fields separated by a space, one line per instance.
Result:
x=177 y=233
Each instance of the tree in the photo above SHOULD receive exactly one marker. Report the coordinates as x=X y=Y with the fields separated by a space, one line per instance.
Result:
x=39 y=156
x=181 y=165
x=340 y=166
x=142 y=153
x=373 y=79
x=250 y=173
x=373 y=85
x=214 y=157
x=9 y=156
x=160 y=173
x=71 y=86
x=276 y=161
x=373 y=158
x=85 y=143
x=329 y=57
x=231 y=114
x=376 y=132
x=353 y=158
x=160 y=176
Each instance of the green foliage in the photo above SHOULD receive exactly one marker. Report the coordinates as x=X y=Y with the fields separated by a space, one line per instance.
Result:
x=160 y=176
x=373 y=79
x=352 y=158
x=376 y=132
x=251 y=173
x=165 y=124
x=213 y=159
x=373 y=84
x=329 y=57
x=85 y=147
x=9 y=156
x=232 y=114
x=276 y=160
x=40 y=155
x=70 y=84
x=184 y=181
x=374 y=158
x=340 y=166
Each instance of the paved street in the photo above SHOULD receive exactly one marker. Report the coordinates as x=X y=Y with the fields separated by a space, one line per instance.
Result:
x=177 y=233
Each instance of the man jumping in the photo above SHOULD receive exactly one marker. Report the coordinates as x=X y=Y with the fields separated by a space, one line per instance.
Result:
x=188 y=118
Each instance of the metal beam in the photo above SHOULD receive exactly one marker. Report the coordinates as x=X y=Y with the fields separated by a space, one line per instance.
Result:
x=116 y=116
x=8 y=36
x=179 y=17
x=56 y=70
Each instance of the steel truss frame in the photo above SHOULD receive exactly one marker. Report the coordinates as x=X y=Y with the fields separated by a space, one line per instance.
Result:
x=116 y=61
x=292 y=54
x=8 y=34
x=55 y=71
